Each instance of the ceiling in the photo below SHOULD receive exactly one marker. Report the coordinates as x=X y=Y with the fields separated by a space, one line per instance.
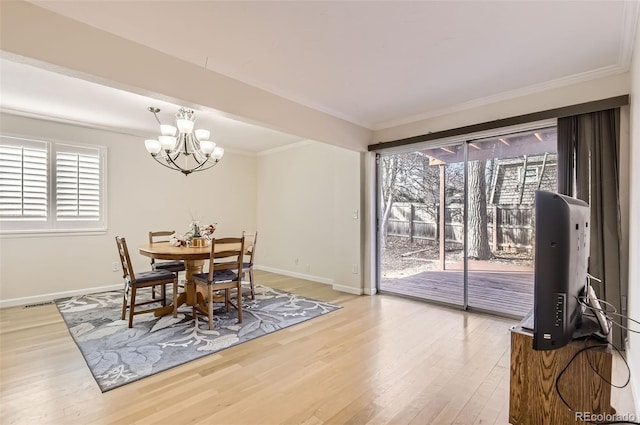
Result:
x=375 y=64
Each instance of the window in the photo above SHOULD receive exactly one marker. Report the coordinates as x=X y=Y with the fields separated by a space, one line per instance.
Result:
x=51 y=186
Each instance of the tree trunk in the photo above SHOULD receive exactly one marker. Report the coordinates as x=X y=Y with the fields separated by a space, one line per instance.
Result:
x=478 y=238
x=390 y=170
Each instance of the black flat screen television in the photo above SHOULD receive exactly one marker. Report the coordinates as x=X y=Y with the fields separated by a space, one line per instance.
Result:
x=560 y=269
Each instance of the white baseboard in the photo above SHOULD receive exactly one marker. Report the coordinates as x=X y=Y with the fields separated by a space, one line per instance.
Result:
x=635 y=380
x=13 y=302
x=326 y=281
x=370 y=291
x=312 y=278
x=347 y=289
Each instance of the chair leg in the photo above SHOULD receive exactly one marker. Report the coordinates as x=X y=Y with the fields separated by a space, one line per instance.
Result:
x=124 y=304
x=153 y=292
x=239 y=301
x=195 y=303
x=175 y=297
x=226 y=300
x=210 y=307
x=253 y=291
x=163 y=294
x=132 y=306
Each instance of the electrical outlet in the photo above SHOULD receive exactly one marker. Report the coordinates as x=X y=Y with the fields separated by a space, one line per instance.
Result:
x=115 y=266
x=354 y=268
x=355 y=214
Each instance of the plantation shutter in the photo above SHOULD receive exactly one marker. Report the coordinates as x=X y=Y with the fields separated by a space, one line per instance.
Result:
x=77 y=183
x=23 y=179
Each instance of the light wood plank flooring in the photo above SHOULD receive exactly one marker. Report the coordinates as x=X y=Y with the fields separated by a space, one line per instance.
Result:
x=378 y=360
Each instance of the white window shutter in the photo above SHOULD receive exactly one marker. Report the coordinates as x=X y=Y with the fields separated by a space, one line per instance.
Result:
x=78 y=184
x=23 y=180
x=51 y=187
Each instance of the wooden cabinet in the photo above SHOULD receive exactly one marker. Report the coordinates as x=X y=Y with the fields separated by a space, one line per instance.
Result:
x=533 y=399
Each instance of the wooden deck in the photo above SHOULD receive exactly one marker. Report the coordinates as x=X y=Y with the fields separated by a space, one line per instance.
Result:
x=503 y=292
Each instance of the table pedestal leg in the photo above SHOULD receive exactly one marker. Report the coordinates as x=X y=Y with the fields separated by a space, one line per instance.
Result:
x=191 y=267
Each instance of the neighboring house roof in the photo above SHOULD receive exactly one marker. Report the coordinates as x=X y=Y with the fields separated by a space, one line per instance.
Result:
x=515 y=180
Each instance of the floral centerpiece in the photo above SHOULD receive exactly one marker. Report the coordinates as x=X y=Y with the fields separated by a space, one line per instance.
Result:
x=196 y=233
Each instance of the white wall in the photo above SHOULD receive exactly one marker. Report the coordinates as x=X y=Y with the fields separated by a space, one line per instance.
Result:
x=307 y=197
x=634 y=224
x=142 y=196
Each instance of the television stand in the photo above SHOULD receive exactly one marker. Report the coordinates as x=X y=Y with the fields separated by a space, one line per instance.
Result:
x=533 y=399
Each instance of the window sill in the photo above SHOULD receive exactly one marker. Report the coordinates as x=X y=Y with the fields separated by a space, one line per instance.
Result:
x=11 y=234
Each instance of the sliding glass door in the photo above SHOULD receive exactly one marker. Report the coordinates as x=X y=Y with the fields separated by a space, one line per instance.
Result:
x=455 y=222
x=421 y=218
x=503 y=174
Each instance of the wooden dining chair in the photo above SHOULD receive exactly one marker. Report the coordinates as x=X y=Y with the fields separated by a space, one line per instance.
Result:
x=163 y=237
x=247 y=267
x=225 y=273
x=176 y=267
x=148 y=279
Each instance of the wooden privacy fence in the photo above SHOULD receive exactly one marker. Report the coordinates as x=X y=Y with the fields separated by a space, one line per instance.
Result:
x=514 y=224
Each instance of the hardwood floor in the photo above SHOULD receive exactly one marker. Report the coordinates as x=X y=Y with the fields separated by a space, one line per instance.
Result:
x=380 y=359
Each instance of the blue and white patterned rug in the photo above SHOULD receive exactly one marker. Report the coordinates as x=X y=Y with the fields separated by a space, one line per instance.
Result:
x=117 y=355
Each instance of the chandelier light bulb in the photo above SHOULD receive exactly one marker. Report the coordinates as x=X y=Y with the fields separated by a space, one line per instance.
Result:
x=207 y=147
x=185 y=126
x=217 y=153
x=202 y=134
x=152 y=146
x=168 y=130
x=167 y=142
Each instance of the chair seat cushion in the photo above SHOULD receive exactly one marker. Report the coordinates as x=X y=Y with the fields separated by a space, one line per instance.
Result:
x=247 y=265
x=174 y=266
x=220 y=276
x=153 y=275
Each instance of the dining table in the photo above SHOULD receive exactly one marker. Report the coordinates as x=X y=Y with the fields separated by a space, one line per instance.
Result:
x=194 y=259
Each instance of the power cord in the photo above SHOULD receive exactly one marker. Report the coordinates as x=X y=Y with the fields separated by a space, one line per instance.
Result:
x=562 y=372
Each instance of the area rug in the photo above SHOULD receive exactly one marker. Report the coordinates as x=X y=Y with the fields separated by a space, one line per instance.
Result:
x=117 y=355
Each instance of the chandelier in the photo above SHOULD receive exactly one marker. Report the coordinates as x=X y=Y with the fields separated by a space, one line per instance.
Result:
x=198 y=151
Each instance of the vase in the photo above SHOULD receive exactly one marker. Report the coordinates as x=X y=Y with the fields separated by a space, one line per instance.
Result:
x=198 y=242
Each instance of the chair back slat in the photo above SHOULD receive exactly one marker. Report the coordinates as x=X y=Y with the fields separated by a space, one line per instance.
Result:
x=161 y=236
x=231 y=256
x=125 y=260
x=250 y=244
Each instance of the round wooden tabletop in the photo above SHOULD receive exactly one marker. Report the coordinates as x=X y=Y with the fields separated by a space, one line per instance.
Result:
x=164 y=251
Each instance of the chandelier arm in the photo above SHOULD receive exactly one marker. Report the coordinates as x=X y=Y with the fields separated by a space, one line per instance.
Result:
x=197 y=153
x=171 y=160
x=203 y=163
x=187 y=171
x=163 y=163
